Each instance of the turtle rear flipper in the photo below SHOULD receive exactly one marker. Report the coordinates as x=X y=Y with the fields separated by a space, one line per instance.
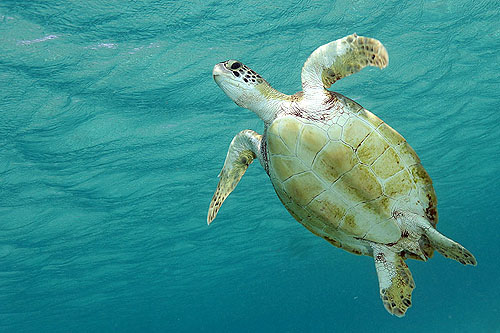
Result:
x=449 y=248
x=395 y=279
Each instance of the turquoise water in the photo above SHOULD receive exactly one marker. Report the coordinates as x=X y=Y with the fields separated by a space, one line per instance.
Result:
x=112 y=133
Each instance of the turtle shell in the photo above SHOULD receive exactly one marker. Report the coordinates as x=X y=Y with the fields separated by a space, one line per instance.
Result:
x=346 y=177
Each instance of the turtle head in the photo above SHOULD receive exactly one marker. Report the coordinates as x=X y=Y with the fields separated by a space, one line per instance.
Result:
x=246 y=88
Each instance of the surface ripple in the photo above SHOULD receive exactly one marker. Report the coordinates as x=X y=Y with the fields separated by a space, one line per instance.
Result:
x=112 y=133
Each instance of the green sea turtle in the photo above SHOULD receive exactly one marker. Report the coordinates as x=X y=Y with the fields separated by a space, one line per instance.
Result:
x=339 y=170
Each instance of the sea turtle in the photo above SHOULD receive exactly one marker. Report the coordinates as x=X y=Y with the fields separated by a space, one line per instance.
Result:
x=339 y=170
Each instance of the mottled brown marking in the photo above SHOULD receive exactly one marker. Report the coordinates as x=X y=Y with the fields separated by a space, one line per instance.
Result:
x=390 y=134
x=330 y=101
x=332 y=241
x=329 y=208
x=318 y=116
x=371 y=148
x=397 y=214
x=265 y=154
x=388 y=164
x=333 y=161
x=286 y=166
x=407 y=154
x=378 y=207
x=351 y=226
x=303 y=187
x=355 y=131
x=420 y=175
x=399 y=184
x=431 y=210
x=359 y=184
x=310 y=142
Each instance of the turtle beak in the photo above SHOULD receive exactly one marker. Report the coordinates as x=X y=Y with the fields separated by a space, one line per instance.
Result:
x=218 y=69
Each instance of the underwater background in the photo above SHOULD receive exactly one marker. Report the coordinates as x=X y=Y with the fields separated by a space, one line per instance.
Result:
x=112 y=133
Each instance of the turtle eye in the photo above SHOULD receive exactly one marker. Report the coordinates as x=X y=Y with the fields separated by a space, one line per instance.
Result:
x=235 y=65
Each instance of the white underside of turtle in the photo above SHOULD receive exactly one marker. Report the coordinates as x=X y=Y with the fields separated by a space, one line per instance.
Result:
x=340 y=171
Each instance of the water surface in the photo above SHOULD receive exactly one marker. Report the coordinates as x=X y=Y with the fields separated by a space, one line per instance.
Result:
x=112 y=133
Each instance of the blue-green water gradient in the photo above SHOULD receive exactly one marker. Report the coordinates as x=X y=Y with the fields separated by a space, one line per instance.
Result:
x=112 y=133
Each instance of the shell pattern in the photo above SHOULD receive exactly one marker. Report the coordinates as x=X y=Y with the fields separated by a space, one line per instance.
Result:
x=346 y=176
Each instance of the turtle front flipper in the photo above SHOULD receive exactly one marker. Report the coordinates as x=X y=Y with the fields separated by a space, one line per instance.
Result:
x=395 y=280
x=341 y=58
x=242 y=151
